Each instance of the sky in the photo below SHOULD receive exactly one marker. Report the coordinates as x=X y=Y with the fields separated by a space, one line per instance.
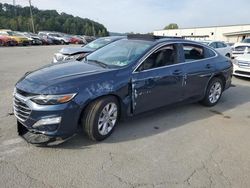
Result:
x=145 y=16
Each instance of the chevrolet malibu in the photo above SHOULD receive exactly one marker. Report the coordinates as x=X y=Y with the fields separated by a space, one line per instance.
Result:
x=125 y=78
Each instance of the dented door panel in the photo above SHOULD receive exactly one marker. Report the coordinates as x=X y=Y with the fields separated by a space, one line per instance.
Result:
x=157 y=87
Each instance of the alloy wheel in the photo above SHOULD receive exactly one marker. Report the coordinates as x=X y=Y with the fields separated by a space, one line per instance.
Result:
x=107 y=119
x=215 y=92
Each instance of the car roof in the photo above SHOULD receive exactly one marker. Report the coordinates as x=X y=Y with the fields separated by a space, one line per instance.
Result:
x=160 y=39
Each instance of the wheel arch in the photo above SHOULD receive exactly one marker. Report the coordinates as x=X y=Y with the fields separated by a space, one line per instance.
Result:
x=220 y=76
x=118 y=98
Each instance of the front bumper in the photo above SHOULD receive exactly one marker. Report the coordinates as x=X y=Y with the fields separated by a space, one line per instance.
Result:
x=39 y=138
x=243 y=72
x=29 y=113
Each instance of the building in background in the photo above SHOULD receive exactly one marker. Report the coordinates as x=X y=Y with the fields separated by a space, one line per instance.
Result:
x=228 y=33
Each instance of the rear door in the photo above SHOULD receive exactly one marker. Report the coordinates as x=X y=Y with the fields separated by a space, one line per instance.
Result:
x=158 y=80
x=198 y=68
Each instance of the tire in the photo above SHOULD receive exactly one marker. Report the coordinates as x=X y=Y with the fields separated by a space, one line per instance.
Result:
x=62 y=42
x=213 y=92
x=97 y=121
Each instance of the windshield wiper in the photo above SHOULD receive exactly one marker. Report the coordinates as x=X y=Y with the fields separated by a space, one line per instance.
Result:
x=97 y=62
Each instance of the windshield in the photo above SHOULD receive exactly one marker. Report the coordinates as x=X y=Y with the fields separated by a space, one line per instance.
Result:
x=11 y=33
x=246 y=41
x=98 y=43
x=120 y=53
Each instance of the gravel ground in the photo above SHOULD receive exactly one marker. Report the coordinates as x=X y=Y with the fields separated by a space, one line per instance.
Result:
x=185 y=146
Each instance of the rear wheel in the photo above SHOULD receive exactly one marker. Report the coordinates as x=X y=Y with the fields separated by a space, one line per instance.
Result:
x=213 y=92
x=100 y=118
x=62 y=42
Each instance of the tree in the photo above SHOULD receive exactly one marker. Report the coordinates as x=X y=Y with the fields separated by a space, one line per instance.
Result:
x=172 y=26
x=18 y=18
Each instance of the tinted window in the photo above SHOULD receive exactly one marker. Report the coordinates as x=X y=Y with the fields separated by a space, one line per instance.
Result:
x=193 y=52
x=164 y=56
x=213 y=45
x=209 y=53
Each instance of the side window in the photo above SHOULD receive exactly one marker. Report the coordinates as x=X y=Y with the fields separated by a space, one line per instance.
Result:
x=213 y=45
x=221 y=45
x=164 y=56
x=193 y=52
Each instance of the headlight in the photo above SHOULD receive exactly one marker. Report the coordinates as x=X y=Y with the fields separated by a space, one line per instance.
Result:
x=75 y=57
x=235 y=62
x=52 y=99
x=59 y=56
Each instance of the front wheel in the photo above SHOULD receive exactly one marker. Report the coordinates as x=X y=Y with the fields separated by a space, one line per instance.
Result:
x=213 y=92
x=100 y=118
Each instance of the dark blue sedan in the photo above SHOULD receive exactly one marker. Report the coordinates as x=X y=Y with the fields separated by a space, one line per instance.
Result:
x=127 y=77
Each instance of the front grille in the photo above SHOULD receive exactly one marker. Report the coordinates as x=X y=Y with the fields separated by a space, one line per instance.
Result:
x=21 y=110
x=242 y=72
x=244 y=64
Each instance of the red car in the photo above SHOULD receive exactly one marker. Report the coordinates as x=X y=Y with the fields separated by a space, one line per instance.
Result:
x=7 y=41
x=76 y=40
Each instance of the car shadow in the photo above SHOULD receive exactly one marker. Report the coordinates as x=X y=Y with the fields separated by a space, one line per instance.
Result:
x=164 y=119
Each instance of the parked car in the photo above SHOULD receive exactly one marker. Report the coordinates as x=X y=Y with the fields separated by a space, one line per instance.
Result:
x=21 y=40
x=220 y=46
x=7 y=41
x=48 y=40
x=89 y=38
x=124 y=78
x=242 y=66
x=77 y=40
x=56 y=36
x=241 y=49
x=36 y=40
x=77 y=53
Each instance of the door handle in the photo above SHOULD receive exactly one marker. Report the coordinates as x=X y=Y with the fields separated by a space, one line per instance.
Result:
x=209 y=66
x=177 y=72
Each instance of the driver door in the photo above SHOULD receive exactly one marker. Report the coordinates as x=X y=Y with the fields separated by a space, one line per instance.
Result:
x=158 y=81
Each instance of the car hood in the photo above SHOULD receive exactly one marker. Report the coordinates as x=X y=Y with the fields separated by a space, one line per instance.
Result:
x=58 y=78
x=241 y=44
x=245 y=57
x=75 y=50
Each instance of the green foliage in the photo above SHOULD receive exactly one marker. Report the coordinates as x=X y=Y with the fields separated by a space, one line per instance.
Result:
x=171 y=26
x=18 y=18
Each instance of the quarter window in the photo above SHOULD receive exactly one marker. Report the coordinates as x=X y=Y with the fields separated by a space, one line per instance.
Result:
x=164 y=56
x=193 y=52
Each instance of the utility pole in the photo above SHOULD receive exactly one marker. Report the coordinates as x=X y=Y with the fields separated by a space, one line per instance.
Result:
x=31 y=16
x=14 y=4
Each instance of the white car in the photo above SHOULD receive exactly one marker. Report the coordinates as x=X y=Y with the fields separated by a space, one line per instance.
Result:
x=242 y=66
x=220 y=47
x=241 y=48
